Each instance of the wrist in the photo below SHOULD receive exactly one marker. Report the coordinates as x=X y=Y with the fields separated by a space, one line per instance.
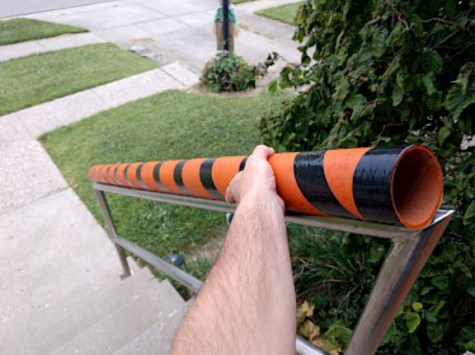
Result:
x=263 y=197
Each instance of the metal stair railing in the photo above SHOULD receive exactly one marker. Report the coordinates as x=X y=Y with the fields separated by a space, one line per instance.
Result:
x=408 y=254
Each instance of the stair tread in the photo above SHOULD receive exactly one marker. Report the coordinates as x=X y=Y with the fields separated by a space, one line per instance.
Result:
x=41 y=318
x=46 y=335
x=159 y=337
x=119 y=328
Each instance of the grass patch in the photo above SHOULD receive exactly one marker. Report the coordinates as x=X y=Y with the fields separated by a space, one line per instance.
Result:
x=284 y=13
x=32 y=80
x=22 y=30
x=235 y=2
x=170 y=125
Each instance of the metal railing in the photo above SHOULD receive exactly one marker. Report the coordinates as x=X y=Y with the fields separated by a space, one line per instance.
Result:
x=408 y=254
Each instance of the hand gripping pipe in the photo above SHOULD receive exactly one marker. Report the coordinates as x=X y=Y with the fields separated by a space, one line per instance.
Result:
x=398 y=186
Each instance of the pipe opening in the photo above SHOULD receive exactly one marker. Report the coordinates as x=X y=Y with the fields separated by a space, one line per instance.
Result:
x=417 y=187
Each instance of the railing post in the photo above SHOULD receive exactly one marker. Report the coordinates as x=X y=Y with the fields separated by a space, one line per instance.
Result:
x=407 y=257
x=112 y=232
x=396 y=278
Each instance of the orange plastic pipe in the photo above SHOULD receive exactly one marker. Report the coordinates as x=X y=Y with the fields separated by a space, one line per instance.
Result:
x=398 y=186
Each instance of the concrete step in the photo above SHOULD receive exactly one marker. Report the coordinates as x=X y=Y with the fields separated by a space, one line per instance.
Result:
x=47 y=333
x=35 y=321
x=49 y=250
x=157 y=339
x=181 y=74
x=125 y=324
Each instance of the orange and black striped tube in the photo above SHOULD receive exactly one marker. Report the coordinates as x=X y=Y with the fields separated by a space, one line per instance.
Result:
x=398 y=186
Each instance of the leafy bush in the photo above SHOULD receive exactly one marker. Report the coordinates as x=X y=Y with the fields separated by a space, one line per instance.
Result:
x=386 y=73
x=228 y=72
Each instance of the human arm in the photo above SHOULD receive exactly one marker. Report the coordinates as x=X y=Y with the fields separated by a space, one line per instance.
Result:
x=247 y=304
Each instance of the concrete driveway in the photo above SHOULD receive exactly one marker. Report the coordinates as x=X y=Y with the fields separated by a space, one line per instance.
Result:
x=9 y=8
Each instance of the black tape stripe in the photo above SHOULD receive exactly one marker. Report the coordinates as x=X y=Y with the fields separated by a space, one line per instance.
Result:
x=108 y=177
x=243 y=164
x=310 y=177
x=99 y=174
x=126 y=179
x=207 y=178
x=116 y=177
x=156 y=177
x=372 y=185
x=178 y=177
x=138 y=175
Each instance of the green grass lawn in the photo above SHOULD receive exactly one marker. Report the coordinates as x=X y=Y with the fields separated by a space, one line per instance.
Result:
x=32 y=80
x=22 y=29
x=284 y=13
x=170 y=125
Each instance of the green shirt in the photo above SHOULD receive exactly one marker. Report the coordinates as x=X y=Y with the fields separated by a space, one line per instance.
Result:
x=219 y=15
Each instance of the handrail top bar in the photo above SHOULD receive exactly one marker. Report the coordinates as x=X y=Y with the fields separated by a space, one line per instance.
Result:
x=334 y=223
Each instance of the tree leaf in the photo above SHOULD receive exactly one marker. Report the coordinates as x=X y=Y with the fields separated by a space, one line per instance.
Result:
x=378 y=43
x=441 y=282
x=342 y=90
x=430 y=61
x=304 y=310
x=413 y=321
x=434 y=102
x=450 y=252
x=456 y=101
x=397 y=96
x=469 y=216
x=389 y=334
x=377 y=251
x=444 y=133
x=426 y=290
x=462 y=268
x=395 y=34
x=354 y=101
x=440 y=305
x=429 y=83
x=401 y=78
x=273 y=86
x=431 y=317
x=417 y=306
x=463 y=81
x=364 y=55
x=435 y=332
x=309 y=330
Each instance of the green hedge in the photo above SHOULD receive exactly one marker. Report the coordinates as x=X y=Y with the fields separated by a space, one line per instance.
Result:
x=387 y=73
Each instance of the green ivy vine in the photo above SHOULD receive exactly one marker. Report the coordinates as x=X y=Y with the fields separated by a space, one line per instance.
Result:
x=386 y=73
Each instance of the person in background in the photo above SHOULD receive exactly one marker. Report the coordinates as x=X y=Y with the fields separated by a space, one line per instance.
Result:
x=219 y=23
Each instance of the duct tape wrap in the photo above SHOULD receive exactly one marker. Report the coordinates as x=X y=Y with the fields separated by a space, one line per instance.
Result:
x=398 y=186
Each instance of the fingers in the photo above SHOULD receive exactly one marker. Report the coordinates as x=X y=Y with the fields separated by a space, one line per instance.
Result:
x=229 y=196
x=233 y=190
x=263 y=152
x=257 y=175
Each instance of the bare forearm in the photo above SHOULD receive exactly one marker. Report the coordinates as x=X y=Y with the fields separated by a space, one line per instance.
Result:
x=247 y=305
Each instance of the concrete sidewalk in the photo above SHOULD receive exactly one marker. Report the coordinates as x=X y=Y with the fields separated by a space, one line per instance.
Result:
x=24 y=49
x=50 y=244
x=26 y=171
x=10 y=8
x=174 y=31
